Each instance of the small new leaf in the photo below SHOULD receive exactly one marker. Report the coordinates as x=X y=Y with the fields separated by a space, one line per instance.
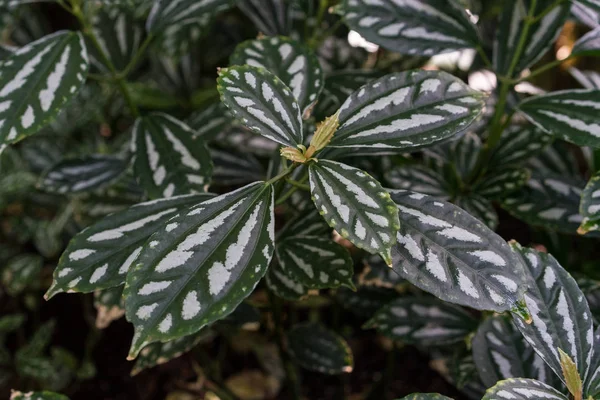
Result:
x=571 y=375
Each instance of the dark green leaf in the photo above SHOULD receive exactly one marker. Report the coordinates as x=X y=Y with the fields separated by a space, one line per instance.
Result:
x=589 y=207
x=556 y=159
x=282 y=285
x=366 y=301
x=418 y=178
x=523 y=389
x=425 y=396
x=497 y=184
x=588 y=44
x=338 y=86
x=10 y=323
x=518 y=144
x=588 y=79
x=109 y=306
x=592 y=382
x=271 y=17
x=233 y=167
x=480 y=208
x=168 y=13
x=210 y=121
x=16 y=395
x=21 y=272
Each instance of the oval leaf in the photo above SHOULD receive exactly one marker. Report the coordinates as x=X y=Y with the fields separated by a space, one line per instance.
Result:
x=406 y=110
x=589 y=207
x=263 y=102
x=517 y=144
x=356 y=205
x=283 y=286
x=445 y=251
x=168 y=13
x=523 y=389
x=497 y=184
x=419 y=178
x=169 y=161
x=212 y=258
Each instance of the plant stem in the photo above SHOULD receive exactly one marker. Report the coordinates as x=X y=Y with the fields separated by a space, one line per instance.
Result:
x=299 y=185
x=545 y=68
x=484 y=57
x=282 y=174
x=137 y=56
x=314 y=40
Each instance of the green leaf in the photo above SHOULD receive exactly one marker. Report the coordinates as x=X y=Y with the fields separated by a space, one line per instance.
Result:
x=480 y=208
x=282 y=285
x=263 y=102
x=271 y=17
x=366 y=301
x=523 y=389
x=319 y=349
x=168 y=13
x=592 y=382
x=21 y=272
x=561 y=317
x=497 y=184
x=419 y=178
x=540 y=36
x=100 y=256
x=315 y=262
x=445 y=251
x=586 y=11
x=568 y=114
x=356 y=205
x=588 y=44
x=462 y=153
x=45 y=395
x=294 y=63
x=10 y=323
x=233 y=167
x=406 y=110
x=214 y=255
x=556 y=159
x=424 y=321
x=37 y=81
x=83 y=174
x=306 y=223
x=377 y=274
x=517 y=144
x=169 y=161
x=210 y=121
x=411 y=27
x=500 y=352
x=587 y=79
x=548 y=200
x=109 y=306
x=161 y=352
x=589 y=207
x=425 y=396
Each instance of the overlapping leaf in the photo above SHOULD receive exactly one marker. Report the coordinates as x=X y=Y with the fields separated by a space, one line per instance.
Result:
x=588 y=79
x=315 y=262
x=406 y=110
x=210 y=121
x=305 y=223
x=588 y=44
x=540 y=36
x=356 y=205
x=377 y=274
x=556 y=159
x=319 y=349
x=83 y=174
x=425 y=396
x=418 y=178
x=523 y=389
x=45 y=395
x=233 y=167
x=587 y=11
x=590 y=205
x=263 y=102
x=338 y=86
x=270 y=17
x=499 y=183
x=592 y=382
x=109 y=306
x=212 y=258
x=37 y=81
x=167 y=13
x=568 y=114
x=100 y=256
x=169 y=161
x=518 y=144
x=21 y=272
x=424 y=321
x=445 y=251
x=282 y=285
x=292 y=62
x=480 y=208
x=411 y=27
x=560 y=314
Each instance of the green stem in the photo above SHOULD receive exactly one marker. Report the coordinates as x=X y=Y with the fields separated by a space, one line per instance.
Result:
x=282 y=174
x=484 y=57
x=299 y=185
x=317 y=31
x=137 y=56
x=547 y=10
x=545 y=68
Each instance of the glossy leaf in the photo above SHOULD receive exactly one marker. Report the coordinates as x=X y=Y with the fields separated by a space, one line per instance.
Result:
x=589 y=206
x=356 y=205
x=568 y=114
x=406 y=110
x=424 y=321
x=271 y=17
x=291 y=61
x=263 y=102
x=418 y=178
x=167 y=13
x=83 y=174
x=411 y=27
x=560 y=314
x=315 y=262
x=338 y=86
x=100 y=256
x=319 y=349
x=517 y=144
x=445 y=251
x=282 y=285
x=480 y=208
x=523 y=389
x=169 y=161
x=212 y=258
x=109 y=306
x=499 y=183
x=45 y=395
x=306 y=223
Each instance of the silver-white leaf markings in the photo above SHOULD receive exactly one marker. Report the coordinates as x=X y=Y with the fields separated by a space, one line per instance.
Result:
x=480 y=208
x=37 y=80
x=523 y=389
x=83 y=174
x=282 y=285
x=355 y=204
x=169 y=161
x=499 y=183
x=425 y=396
x=424 y=321
x=201 y=265
x=100 y=256
x=418 y=178
x=271 y=17
x=406 y=110
x=588 y=44
x=445 y=251
x=589 y=206
x=592 y=382
x=315 y=262
x=411 y=27
x=262 y=102
x=500 y=352
x=168 y=13
x=571 y=115
x=517 y=144
x=560 y=314
x=292 y=62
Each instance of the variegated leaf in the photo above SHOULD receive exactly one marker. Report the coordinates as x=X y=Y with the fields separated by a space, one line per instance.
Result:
x=425 y=396
x=45 y=395
x=85 y=174
x=169 y=161
x=419 y=178
x=556 y=159
x=100 y=256
x=462 y=153
x=500 y=352
x=366 y=301
x=592 y=383
x=548 y=200
x=262 y=102
x=480 y=208
x=411 y=27
x=497 y=184
x=37 y=81
x=319 y=349
x=587 y=12
x=587 y=79
x=21 y=272
x=424 y=321
x=295 y=64
x=109 y=306
x=517 y=144
x=356 y=205
x=315 y=262
x=212 y=258
x=561 y=317
x=540 y=36
x=589 y=207
x=168 y=13
x=406 y=110
x=588 y=44
x=282 y=285
x=445 y=251
x=210 y=121
x=568 y=114
x=306 y=223
x=523 y=389
x=233 y=167
x=271 y=17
